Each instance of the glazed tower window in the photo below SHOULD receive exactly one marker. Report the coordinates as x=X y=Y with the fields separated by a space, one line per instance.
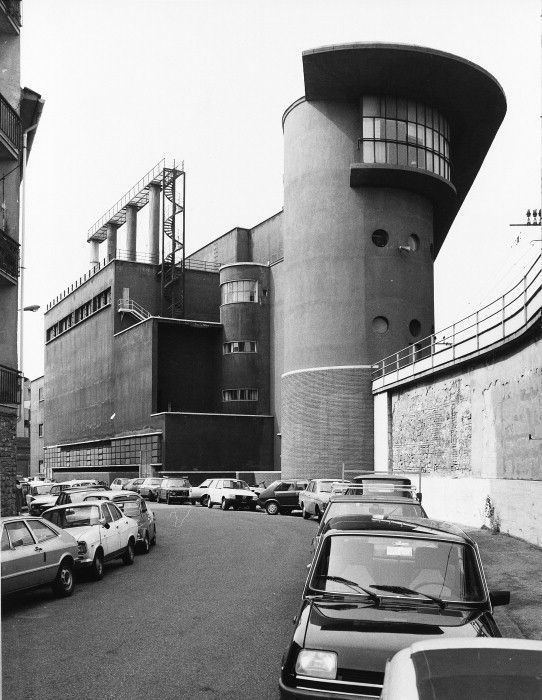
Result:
x=404 y=132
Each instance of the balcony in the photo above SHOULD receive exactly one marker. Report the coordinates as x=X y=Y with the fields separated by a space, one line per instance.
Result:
x=10 y=385
x=9 y=259
x=10 y=131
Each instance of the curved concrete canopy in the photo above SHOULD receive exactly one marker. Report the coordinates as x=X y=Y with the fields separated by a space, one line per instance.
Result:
x=468 y=96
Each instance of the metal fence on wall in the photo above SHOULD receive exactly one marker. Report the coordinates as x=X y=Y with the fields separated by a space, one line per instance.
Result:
x=501 y=319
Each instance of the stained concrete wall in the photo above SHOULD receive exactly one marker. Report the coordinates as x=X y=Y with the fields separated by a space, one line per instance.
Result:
x=231 y=247
x=468 y=431
x=202 y=295
x=266 y=240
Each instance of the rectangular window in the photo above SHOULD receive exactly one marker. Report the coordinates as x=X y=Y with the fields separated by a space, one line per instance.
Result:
x=391 y=129
x=391 y=107
x=401 y=131
x=429 y=160
x=412 y=156
x=239 y=395
x=239 y=291
x=402 y=155
x=421 y=158
x=411 y=132
x=371 y=106
x=379 y=128
x=429 y=138
x=368 y=128
x=401 y=108
x=380 y=152
x=421 y=135
x=368 y=152
x=40 y=394
x=391 y=153
x=411 y=111
x=40 y=429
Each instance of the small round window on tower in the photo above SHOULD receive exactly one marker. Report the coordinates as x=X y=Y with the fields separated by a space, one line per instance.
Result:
x=413 y=242
x=415 y=327
x=380 y=237
x=380 y=324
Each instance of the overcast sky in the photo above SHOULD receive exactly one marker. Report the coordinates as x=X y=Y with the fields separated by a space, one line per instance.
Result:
x=128 y=81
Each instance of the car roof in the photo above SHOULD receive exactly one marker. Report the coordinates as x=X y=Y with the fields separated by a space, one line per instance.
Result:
x=375 y=476
x=88 y=487
x=27 y=516
x=80 y=504
x=434 y=529
x=373 y=497
x=475 y=643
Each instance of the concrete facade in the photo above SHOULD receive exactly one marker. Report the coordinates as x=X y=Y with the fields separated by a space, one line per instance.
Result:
x=37 y=426
x=468 y=431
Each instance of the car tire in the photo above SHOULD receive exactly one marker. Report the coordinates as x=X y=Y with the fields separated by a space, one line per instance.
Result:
x=204 y=500
x=97 y=568
x=272 y=508
x=129 y=554
x=64 y=583
x=167 y=499
x=304 y=513
x=209 y=502
x=224 y=505
x=317 y=513
x=146 y=544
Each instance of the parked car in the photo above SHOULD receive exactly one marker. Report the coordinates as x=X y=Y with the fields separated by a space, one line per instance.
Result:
x=41 y=503
x=376 y=504
x=481 y=668
x=174 y=490
x=314 y=499
x=119 y=483
x=38 y=489
x=383 y=482
x=374 y=587
x=133 y=485
x=36 y=553
x=102 y=532
x=199 y=494
x=76 y=495
x=149 y=488
x=282 y=496
x=134 y=506
x=231 y=493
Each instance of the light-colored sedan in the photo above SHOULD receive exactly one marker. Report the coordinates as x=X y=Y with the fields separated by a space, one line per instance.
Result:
x=150 y=487
x=102 y=532
x=485 y=668
x=314 y=499
x=231 y=493
x=36 y=553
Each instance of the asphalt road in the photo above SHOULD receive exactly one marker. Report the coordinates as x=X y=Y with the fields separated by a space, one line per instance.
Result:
x=207 y=614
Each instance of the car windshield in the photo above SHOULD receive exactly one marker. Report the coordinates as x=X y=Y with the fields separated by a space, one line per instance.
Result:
x=177 y=483
x=382 y=508
x=41 y=490
x=130 y=508
x=74 y=517
x=444 y=570
x=235 y=484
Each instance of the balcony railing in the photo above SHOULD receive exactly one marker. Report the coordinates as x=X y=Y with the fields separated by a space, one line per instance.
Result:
x=9 y=256
x=10 y=385
x=10 y=124
x=497 y=322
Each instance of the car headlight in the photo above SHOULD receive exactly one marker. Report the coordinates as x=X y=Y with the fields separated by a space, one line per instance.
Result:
x=316 y=663
x=82 y=548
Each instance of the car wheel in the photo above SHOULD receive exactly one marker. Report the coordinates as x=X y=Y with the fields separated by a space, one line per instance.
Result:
x=224 y=505
x=272 y=508
x=64 y=582
x=97 y=568
x=304 y=513
x=129 y=554
x=204 y=500
x=146 y=544
x=209 y=502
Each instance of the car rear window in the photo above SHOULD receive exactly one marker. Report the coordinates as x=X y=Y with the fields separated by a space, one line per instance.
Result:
x=484 y=674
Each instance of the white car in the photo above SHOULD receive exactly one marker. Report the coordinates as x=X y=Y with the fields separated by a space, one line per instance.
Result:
x=102 y=532
x=200 y=494
x=231 y=493
x=314 y=499
x=485 y=668
x=47 y=494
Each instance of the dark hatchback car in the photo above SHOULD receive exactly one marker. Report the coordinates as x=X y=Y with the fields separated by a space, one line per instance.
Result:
x=173 y=490
x=374 y=587
x=282 y=496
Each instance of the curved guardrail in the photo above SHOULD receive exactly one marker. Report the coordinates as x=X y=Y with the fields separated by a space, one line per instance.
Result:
x=502 y=319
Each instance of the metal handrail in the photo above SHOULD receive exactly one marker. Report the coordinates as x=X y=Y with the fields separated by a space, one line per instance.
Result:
x=524 y=298
x=133 y=307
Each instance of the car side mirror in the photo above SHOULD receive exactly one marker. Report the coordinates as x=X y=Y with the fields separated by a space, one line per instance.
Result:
x=104 y=523
x=499 y=598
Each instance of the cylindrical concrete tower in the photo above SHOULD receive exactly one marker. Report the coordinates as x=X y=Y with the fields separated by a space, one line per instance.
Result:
x=378 y=157
x=244 y=314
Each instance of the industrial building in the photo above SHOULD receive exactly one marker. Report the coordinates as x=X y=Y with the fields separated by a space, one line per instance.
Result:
x=20 y=111
x=254 y=354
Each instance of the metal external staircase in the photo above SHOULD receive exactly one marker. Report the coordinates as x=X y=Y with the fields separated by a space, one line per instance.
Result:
x=129 y=306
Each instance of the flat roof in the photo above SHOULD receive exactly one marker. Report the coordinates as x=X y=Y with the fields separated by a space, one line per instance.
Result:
x=469 y=97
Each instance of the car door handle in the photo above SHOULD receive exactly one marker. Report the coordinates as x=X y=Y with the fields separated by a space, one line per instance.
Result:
x=38 y=549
